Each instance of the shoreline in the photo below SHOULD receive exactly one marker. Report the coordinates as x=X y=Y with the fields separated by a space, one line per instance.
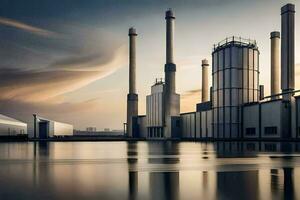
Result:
x=110 y=139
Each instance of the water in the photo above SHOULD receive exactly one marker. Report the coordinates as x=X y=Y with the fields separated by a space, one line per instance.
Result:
x=150 y=170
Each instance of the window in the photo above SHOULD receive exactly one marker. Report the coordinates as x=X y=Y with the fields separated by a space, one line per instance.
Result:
x=271 y=130
x=250 y=131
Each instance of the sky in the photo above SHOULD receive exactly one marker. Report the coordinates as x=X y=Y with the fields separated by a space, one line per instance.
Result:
x=67 y=60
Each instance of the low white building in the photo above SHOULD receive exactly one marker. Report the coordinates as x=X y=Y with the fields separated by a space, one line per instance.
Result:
x=46 y=128
x=11 y=127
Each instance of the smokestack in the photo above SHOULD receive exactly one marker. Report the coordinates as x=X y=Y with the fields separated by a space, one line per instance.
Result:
x=132 y=97
x=171 y=99
x=170 y=67
x=205 y=94
x=287 y=49
x=275 y=37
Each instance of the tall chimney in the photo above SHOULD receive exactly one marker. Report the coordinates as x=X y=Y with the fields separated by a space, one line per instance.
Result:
x=132 y=97
x=205 y=93
x=170 y=67
x=171 y=99
x=287 y=49
x=275 y=88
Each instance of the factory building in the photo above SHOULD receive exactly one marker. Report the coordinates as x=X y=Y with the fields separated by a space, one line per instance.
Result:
x=234 y=107
x=12 y=127
x=162 y=118
x=46 y=128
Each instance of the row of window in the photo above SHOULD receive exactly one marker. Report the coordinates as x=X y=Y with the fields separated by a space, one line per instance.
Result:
x=155 y=132
x=271 y=130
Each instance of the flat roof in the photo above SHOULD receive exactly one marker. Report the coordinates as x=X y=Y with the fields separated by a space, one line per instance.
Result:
x=11 y=121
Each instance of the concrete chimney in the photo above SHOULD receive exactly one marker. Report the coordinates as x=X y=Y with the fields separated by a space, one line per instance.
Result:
x=132 y=97
x=170 y=67
x=288 y=49
x=171 y=99
x=205 y=93
x=275 y=88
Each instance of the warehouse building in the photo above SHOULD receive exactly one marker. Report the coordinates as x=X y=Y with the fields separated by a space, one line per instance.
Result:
x=12 y=127
x=46 y=128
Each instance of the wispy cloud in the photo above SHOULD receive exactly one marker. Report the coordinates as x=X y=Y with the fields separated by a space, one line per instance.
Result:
x=41 y=85
x=27 y=27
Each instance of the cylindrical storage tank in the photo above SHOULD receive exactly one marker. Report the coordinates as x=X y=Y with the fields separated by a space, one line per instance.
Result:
x=235 y=74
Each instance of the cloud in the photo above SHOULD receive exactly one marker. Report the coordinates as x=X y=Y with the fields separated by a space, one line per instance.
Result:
x=24 y=110
x=27 y=28
x=40 y=85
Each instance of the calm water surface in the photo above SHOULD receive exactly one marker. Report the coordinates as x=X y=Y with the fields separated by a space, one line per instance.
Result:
x=149 y=170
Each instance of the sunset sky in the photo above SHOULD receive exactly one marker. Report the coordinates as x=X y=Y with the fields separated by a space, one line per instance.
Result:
x=67 y=59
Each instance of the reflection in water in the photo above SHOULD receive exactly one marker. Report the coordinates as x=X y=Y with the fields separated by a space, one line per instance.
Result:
x=149 y=170
x=237 y=185
x=164 y=185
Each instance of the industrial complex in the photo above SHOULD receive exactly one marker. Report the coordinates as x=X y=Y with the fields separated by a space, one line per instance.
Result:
x=235 y=106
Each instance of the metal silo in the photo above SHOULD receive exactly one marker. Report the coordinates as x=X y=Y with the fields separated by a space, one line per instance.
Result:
x=235 y=74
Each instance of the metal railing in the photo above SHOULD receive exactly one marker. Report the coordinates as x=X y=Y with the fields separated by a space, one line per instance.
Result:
x=235 y=40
